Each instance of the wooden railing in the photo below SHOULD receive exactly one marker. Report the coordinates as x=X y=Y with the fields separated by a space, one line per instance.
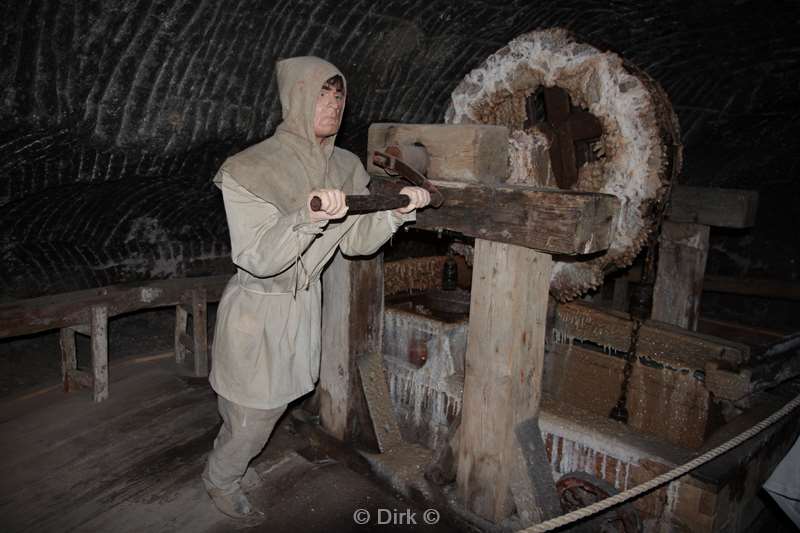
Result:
x=87 y=312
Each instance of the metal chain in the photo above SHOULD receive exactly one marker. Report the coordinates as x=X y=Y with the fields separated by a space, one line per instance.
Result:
x=664 y=478
x=640 y=309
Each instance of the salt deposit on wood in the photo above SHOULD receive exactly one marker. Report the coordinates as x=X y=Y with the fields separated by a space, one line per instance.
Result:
x=428 y=398
x=414 y=274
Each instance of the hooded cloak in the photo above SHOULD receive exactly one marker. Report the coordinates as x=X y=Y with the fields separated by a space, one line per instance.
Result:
x=285 y=168
x=266 y=349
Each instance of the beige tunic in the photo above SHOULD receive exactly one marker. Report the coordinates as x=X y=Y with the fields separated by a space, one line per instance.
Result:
x=266 y=349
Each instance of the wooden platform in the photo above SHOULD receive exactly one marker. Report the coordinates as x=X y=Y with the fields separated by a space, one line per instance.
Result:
x=133 y=463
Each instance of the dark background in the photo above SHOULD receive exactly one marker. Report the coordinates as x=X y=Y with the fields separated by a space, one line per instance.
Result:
x=114 y=115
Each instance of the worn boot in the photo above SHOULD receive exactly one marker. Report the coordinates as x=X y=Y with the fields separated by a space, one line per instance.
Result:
x=236 y=505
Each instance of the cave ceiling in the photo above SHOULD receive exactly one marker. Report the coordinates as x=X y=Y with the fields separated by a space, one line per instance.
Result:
x=116 y=114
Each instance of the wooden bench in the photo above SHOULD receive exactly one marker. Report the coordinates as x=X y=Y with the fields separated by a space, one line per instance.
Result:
x=87 y=312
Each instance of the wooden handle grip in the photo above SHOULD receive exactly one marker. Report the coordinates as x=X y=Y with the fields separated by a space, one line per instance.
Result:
x=367 y=203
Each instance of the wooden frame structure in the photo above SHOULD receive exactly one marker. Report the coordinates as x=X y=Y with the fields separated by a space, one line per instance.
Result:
x=683 y=247
x=516 y=228
x=87 y=312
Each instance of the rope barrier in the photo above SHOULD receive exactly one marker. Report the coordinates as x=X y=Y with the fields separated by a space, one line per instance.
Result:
x=664 y=478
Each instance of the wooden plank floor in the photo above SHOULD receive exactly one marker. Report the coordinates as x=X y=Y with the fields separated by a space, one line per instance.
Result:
x=68 y=463
x=133 y=463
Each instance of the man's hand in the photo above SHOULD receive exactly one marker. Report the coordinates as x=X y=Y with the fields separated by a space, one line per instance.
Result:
x=419 y=199
x=333 y=205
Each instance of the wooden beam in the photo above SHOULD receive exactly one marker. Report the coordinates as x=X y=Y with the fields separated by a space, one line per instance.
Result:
x=730 y=208
x=556 y=222
x=761 y=338
x=779 y=289
x=548 y=220
x=199 y=334
x=531 y=481
x=335 y=375
x=83 y=329
x=764 y=288
x=682 y=255
x=73 y=308
x=464 y=152
x=181 y=321
x=502 y=382
x=69 y=360
x=726 y=384
x=376 y=392
x=99 y=325
x=352 y=325
x=590 y=379
x=659 y=342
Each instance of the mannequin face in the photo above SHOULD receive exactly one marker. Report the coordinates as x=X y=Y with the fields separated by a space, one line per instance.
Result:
x=328 y=112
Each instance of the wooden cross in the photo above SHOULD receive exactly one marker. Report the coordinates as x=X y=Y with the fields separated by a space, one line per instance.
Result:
x=569 y=130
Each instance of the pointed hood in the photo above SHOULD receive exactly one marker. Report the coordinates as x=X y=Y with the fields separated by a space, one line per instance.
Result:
x=286 y=167
x=299 y=82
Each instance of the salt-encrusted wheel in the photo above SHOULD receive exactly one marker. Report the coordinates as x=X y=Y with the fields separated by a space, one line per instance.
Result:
x=636 y=156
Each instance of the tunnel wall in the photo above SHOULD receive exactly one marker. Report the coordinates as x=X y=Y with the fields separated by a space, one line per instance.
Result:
x=115 y=115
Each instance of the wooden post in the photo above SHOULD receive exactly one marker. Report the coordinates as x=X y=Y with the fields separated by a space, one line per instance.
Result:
x=683 y=250
x=352 y=325
x=199 y=336
x=99 y=338
x=181 y=320
x=69 y=360
x=619 y=301
x=502 y=383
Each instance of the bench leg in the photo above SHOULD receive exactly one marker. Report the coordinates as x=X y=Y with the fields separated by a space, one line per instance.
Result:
x=69 y=361
x=200 y=339
x=181 y=319
x=99 y=336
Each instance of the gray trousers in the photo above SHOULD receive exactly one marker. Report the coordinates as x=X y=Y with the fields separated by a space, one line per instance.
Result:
x=243 y=434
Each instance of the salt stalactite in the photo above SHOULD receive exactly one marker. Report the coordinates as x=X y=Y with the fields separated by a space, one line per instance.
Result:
x=562 y=337
x=673 y=492
x=426 y=399
x=573 y=451
x=626 y=485
x=617 y=473
x=558 y=451
x=430 y=395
